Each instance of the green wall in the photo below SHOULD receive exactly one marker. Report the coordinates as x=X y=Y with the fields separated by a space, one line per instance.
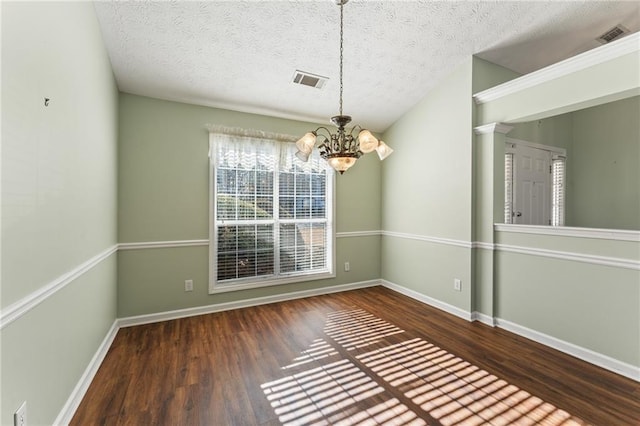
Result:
x=605 y=166
x=603 y=161
x=429 y=191
x=487 y=74
x=163 y=196
x=58 y=200
x=590 y=305
x=553 y=131
x=426 y=191
x=554 y=285
x=446 y=183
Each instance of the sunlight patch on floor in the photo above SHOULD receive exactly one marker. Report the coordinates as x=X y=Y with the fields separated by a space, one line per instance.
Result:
x=454 y=391
x=357 y=328
x=308 y=396
x=439 y=385
x=390 y=412
x=319 y=349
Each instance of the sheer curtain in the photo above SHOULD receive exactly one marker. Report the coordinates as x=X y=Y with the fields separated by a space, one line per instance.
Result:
x=271 y=213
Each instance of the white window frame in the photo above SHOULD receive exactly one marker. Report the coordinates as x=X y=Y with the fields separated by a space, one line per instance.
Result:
x=283 y=278
x=555 y=154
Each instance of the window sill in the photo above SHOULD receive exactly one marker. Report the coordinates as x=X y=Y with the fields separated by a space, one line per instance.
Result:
x=248 y=285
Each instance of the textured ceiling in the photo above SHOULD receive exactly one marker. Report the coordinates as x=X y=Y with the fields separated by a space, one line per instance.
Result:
x=241 y=55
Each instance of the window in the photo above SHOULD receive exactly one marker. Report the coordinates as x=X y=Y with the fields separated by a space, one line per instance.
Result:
x=508 y=187
x=271 y=215
x=557 y=190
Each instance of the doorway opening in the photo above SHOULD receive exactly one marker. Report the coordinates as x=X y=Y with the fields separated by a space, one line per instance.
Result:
x=535 y=189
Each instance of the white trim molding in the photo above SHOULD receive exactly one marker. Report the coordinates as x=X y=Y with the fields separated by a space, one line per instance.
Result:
x=483 y=318
x=437 y=240
x=205 y=242
x=615 y=262
x=598 y=359
x=568 y=231
x=483 y=245
x=606 y=362
x=244 y=303
x=521 y=142
x=628 y=44
x=453 y=310
x=73 y=402
x=30 y=301
x=350 y=234
x=487 y=129
x=163 y=244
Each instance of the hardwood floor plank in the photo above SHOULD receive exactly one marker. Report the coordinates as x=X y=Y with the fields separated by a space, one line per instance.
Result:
x=343 y=359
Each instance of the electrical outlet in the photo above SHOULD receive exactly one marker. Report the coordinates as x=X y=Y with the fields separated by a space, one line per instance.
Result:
x=457 y=284
x=188 y=285
x=20 y=416
x=347 y=267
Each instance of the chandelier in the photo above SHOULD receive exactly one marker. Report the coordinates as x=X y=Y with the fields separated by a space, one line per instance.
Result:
x=341 y=149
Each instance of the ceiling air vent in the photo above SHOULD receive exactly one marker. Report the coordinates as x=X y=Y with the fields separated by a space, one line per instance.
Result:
x=308 y=79
x=613 y=34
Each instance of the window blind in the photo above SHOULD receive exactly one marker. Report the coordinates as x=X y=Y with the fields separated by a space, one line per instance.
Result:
x=272 y=214
x=557 y=190
x=508 y=188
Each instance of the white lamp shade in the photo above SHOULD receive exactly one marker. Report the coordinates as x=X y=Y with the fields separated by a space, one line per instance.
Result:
x=383 y=150
x=303 y=156
x=306 y=143
x=368 y=142
x=341 y=164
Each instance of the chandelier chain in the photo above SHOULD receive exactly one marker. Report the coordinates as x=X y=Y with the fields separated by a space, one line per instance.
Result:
x=341 y=148
x=341 y=52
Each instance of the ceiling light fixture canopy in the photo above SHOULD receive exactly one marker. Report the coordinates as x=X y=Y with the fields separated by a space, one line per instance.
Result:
x=341 y=148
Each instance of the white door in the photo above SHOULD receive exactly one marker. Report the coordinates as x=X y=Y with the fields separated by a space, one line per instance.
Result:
x=532 y=185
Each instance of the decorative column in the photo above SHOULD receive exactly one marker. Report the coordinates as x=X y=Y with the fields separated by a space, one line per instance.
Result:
x=488 y=208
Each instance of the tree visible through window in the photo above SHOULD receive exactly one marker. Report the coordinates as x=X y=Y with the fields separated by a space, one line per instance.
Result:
x=271 y=214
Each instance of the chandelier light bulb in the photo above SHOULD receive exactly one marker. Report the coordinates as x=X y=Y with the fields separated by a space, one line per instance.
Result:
x=303 y=156
x=368 y=142
x=341 y=164
x=306 y=143
x=383 y=150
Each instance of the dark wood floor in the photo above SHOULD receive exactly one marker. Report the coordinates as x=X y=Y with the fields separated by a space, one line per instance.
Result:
x=362 y=357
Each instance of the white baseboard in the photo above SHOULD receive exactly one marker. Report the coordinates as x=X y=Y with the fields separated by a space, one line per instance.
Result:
x=73 y=402
x=453 y=310
x=483 y=318
x=604 y=361
x=245 y=303
x=608 y=363
x=595 y=358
